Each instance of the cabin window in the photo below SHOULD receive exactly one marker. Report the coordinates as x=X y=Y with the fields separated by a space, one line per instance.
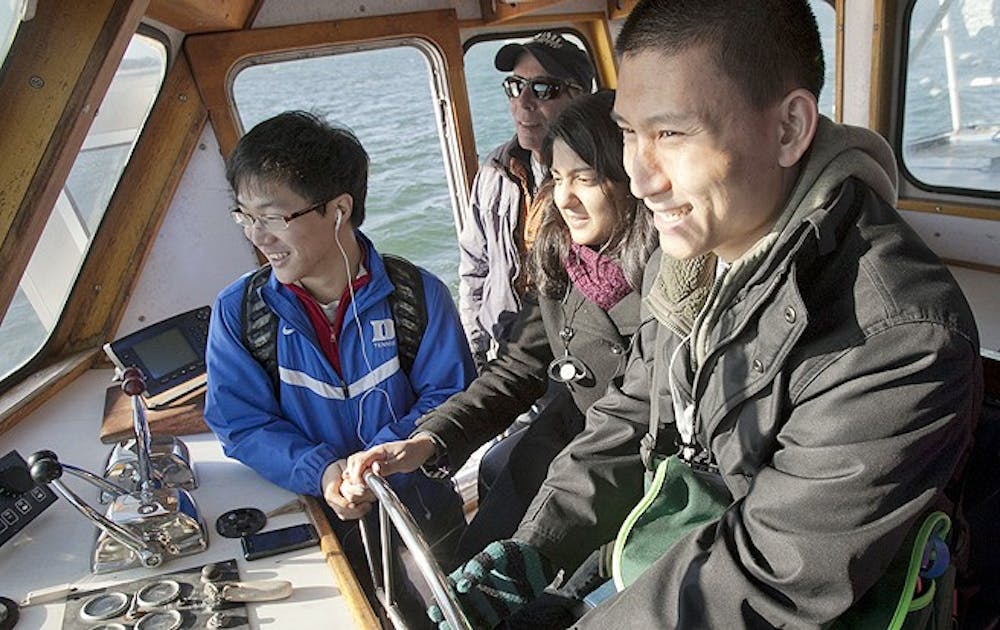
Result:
x=491 y=120
x=53 y=267
x=826 y=20
x=12 y=13
x=951 y=104
x=389 y=97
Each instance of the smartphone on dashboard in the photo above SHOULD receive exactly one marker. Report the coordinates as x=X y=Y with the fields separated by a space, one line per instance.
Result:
x=275 y=541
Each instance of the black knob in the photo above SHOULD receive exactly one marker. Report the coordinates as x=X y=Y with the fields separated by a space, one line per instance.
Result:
x=45 y=469
x=8 y=613
x=44 y=454
x=210 y=571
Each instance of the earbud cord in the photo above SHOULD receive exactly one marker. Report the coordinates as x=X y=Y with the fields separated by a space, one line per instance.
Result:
x=364 y=353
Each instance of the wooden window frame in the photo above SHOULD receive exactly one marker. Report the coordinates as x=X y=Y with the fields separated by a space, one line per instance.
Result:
x=75 y=49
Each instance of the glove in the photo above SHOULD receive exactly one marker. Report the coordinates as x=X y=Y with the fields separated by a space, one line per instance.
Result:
x=497 y=581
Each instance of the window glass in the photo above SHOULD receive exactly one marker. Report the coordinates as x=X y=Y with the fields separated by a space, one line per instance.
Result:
x=951 y=108
x=64 y=242
x=826 y=19
x=384 y=97
x=491 y=121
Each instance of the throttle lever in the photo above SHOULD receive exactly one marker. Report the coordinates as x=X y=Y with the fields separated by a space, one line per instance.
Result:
x=46 y=468
x=133 y=384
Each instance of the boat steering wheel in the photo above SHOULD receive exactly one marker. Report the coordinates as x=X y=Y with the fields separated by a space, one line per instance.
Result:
x=392 y=513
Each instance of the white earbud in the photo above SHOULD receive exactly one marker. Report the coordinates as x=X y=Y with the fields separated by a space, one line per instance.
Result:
x=340 y=216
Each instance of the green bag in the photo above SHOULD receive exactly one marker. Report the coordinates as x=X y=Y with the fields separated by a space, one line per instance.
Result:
x=677 y=499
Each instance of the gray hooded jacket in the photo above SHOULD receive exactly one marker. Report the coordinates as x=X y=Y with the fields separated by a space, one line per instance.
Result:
x=834 y=375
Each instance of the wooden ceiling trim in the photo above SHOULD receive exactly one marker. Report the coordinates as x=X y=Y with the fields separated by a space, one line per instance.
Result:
x=619 y=9
x=497 y=11
x=56 y=74
x=534 y=21
x=214 y=56
x=134 y=215
x=198 y=16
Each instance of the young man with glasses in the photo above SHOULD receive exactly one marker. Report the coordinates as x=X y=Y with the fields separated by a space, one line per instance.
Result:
x=300 y=186
x=547 y=72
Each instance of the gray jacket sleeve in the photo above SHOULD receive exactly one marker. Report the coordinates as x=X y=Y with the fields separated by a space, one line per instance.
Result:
x=473 y=264
x=506 y=388
x=594 y=482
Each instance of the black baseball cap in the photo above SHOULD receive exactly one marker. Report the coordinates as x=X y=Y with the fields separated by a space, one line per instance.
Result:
x=561 y=58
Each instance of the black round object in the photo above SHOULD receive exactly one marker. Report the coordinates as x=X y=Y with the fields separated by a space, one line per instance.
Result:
x=8 y=613
x=240 y=522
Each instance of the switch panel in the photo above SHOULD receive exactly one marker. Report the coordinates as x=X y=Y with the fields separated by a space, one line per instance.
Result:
x=21 y=499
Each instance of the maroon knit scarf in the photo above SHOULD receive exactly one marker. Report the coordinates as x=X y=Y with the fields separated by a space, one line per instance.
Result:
x=598 y=277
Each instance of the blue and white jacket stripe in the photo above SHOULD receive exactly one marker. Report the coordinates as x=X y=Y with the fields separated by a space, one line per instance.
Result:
x=319 y=416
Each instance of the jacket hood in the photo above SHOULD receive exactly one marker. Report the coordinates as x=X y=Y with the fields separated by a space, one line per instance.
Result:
x=838 y=152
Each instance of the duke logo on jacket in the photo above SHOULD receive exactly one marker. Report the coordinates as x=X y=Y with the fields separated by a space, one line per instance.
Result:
x=383 y=332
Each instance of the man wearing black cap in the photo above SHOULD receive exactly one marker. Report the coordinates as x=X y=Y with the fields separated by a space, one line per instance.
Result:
x=547 y=72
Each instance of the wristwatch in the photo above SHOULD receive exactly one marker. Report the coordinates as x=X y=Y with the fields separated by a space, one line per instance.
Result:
x=438 y=467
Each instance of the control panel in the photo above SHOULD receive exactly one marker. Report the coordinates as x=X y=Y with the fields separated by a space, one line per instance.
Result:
x=21 y=499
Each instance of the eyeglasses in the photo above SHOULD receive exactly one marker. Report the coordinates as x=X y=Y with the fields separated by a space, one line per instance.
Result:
x=543 y=89
x=270 y=222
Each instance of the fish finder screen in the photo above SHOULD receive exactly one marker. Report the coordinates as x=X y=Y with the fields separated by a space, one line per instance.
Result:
x=166 y=352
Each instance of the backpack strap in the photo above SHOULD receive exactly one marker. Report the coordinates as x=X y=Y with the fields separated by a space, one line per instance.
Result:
x=407 y=304
x=409 y=307
x=260 y=324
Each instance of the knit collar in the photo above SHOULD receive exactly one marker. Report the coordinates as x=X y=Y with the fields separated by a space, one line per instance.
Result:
x=596 y=276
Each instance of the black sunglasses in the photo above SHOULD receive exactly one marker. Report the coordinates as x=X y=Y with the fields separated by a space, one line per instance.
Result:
x=543 y=89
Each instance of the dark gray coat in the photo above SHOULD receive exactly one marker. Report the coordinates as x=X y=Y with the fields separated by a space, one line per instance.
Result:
x=519 y=375
x=837 y=396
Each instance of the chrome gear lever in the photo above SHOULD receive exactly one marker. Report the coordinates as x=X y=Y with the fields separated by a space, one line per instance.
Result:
x=141 y=527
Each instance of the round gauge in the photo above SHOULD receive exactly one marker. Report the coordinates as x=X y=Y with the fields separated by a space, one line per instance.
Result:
x=108 y=626
x=104 y=606
x=160 y=620
x=158 y=593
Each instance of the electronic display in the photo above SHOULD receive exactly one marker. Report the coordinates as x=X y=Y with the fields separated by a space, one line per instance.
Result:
x=165 y=352
x=170 y=354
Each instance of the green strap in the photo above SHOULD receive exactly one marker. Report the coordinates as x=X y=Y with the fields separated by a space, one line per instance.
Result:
x=629 y=523
x=935 y=522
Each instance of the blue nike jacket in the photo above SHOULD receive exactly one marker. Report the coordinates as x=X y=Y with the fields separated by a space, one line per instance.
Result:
x=321 y=417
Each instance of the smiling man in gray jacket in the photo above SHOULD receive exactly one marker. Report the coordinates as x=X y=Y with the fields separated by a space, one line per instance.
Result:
x=806 y=347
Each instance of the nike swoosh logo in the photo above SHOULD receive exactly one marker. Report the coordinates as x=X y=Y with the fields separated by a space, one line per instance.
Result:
x=285 y=330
